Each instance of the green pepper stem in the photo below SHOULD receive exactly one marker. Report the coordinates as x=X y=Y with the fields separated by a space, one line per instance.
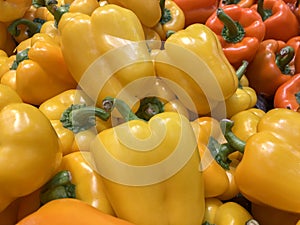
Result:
x=233 y=31
x=220 y=152
x=165 y=13
x=149 y=106
x=56 y=11
x=81 y=117
x=32 y=27
x=264 y=13
x=60 y=186
x=297 y=96
x=283 y=58
x=110 y=103
x=20 y=56
x=234 y=142
x=242 y=69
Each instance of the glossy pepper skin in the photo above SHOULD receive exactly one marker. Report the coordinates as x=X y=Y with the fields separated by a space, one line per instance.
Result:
x=240 y=30
x=274 y=151
x=277 y=15
x=197 y=11
x=30 y=148
x=244 y=97
x=72 y=211
x=169 y=198
x=204 y=44
x=287 y=95
x=88 y=183
x=98 y=37
x=217 y=181
x=42 y=65
x=149 y=12
x=270 y=67
x=172 y=19
x=217 y=212
x=13 y=9
x=54 y=107
x=241 y=3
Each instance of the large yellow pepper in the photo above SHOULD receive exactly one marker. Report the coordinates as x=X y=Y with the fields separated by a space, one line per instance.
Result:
x=13 y=9
x=219 y=213
x=109 y=27
x=88 y=183
x=30 y=150
x=41 y=72
x=274 y=150
x=205 y=78
x=148 y=12
x=150 y=167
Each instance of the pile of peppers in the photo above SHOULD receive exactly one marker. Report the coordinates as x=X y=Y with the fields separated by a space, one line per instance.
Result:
x=157 y=112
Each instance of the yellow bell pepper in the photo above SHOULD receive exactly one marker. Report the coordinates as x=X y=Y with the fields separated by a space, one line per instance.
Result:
x=13 y=9
x=244 y=97
x=54 y=107
x=274 y=180
x=219 y=213
x=41 y=72
x=245 y=122
x=205 y=78
x=142 y=172
x=266 y=215
x=218 y=182
x=5 y=62
x=109 y=27
x=88 y=183
x=172 y=19
x=7 y=43
x=30 y=150
x=149 y=12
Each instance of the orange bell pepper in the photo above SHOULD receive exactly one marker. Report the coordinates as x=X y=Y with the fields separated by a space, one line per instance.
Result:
x=240 y=31
x=196 y=11
x=241 y=3
x=288 y=94
x=70 y=211
x=277 y=16
x=270 y=67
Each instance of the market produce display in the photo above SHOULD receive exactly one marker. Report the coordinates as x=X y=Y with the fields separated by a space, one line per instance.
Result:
x=155 y=112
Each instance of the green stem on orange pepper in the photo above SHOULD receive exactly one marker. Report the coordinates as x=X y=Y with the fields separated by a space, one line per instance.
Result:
x=264 y=13
x=233 y=31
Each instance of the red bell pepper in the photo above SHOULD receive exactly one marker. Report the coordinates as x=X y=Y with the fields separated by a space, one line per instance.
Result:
x=197 y=11
x=288 y=94
x=240 y=30
x=270 y=67
x=281 y=23
x=294 y=42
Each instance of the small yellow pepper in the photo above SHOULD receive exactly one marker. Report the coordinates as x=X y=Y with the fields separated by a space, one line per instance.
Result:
x=217 y=212
x=54 y=107
x=88 y=183
x=13 y=9
x=205 y=77
x=244 y=96
x=30 y=150
x=172 y=19
x=41 y=68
